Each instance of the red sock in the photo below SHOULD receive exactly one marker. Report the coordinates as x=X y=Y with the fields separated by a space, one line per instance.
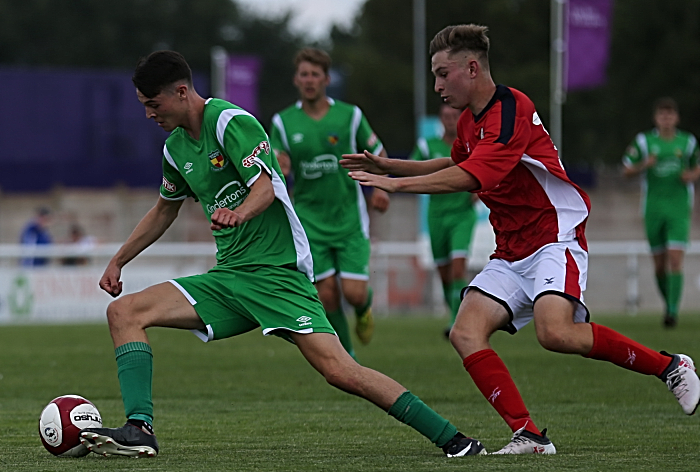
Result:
x=611 y=346
x=492 y=378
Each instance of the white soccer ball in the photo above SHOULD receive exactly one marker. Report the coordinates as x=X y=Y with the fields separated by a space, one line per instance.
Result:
x=61 y=421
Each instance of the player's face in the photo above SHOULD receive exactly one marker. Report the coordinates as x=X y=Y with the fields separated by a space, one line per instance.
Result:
x=452 y=79
x=666 y=119
x=311 y=81
x=449 y=117
x=166 y=108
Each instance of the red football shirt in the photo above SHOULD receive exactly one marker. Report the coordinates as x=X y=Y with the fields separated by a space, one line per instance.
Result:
x=532 y=201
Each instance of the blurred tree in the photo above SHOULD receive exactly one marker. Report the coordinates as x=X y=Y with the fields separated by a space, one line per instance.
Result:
x=96 y=33
x=655 y=51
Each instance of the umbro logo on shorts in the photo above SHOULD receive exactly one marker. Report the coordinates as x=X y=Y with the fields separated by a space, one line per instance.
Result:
x=304 y=320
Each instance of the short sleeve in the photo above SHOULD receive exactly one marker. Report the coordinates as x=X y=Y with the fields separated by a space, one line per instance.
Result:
x=421 y=151
x=246 y=144
x=174 y=187
x=278 y=135
x=635 y=151
x=694 y=152
x=366 y=137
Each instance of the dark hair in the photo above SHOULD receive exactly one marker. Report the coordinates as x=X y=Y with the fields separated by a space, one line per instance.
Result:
x=458 y=38
x=314 y=56
x=159 y=70
x=665 y=103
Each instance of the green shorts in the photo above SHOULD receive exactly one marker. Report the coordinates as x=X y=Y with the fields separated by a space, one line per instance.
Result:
x=451 y=235
x=667 y=231
x=348 y=256
x=232 y=302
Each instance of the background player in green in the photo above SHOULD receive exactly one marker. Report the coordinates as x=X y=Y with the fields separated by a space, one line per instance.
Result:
x=668 y=160
x=309 y=138
x=451 y=216
x=219 y=154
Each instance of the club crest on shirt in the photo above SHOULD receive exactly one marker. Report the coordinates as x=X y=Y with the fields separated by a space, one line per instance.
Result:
x=217 y=160
x=249 y=161
x=333 y=139
x=372 y=140
x=169 y=186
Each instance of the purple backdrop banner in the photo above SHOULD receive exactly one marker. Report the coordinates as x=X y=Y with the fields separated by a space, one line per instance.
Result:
x=242 y=74
x=77 y=128
x=588 y=25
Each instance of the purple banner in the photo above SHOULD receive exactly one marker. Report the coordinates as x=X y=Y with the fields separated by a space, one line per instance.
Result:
x=93 y=133
x=588 y=25
x=242 y=82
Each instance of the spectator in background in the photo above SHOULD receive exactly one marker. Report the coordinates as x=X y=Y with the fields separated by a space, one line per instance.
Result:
x=78 y=237
x=36 y=233
x=667 y=158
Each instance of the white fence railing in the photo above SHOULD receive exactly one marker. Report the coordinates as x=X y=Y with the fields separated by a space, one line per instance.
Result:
x=56 y=291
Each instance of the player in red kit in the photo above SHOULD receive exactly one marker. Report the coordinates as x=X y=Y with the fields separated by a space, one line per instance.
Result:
x=504 y=154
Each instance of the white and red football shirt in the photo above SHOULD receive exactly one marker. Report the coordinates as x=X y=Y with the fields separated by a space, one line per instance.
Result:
x=532 y=201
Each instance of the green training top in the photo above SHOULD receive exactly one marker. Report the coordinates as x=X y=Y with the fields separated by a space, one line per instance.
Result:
x=441 y=205
x=329 y=203
x=662 y=187
x=218 y=170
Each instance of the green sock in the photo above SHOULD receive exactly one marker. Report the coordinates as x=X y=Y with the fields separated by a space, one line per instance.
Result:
x=455 y=291
x=674 y=286
x=359 y=311
x=662 y=283
x=410 y=410
x=135 y=372
x=446 y=293
x=340 y=325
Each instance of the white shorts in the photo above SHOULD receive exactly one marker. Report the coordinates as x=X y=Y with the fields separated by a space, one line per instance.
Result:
x=558 y=268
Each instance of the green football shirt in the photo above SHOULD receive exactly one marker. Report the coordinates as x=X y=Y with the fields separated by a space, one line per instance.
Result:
x=218 y=170
x=663 y=189
x=441 y=205
x=329 y=203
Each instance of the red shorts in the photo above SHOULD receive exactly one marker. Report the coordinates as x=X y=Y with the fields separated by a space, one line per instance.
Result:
x=557 y=268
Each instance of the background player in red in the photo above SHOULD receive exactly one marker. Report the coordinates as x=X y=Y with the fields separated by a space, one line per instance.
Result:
x=539 y=269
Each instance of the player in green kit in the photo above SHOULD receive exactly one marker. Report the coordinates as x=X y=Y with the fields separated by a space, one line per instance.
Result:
x=220 y=155
x=451 y=217
x=309 y=138
x=668 y=160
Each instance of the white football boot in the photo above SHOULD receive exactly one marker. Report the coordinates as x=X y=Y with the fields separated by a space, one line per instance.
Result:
x=683 y=381
x=525 y=442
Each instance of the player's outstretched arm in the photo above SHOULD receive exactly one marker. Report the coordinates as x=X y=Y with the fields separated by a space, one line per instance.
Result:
x=368 y=162
x=261 y=196
x=150 y=228
x=450 y=180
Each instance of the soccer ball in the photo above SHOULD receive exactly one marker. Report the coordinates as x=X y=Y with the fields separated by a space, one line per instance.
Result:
x=61 y=421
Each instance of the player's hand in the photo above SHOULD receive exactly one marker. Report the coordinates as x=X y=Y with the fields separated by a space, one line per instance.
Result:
x=366 y=162
x=650 y=162
x=371 y=180
x=110 y=282
x=225 y=218
x=379 y=200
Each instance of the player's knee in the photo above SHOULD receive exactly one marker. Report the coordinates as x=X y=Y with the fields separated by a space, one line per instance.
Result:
x=552 y=339
x=463 y=337
x=121 y=311
x=356 y=298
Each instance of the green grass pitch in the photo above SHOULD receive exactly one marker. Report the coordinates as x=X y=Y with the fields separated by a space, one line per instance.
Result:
x=253 y=404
